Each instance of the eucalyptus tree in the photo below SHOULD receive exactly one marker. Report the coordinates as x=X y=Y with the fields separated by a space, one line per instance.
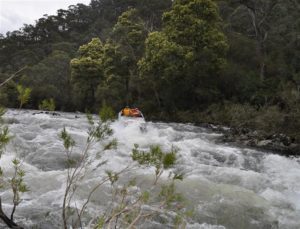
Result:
x=257 y=18
x=186 y=55
x=86 y=73
x=121 y=54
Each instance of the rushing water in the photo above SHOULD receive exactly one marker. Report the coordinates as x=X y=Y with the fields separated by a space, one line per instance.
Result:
x=229 y=187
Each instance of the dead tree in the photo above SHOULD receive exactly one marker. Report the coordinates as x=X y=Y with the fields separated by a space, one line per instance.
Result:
x=259 y=13
x=12 y=76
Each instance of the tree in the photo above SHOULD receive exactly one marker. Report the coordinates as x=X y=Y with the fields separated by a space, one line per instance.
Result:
x=86 y=73
x=112 y=89
x=258 y=16
x=195 y=25
x=50 y=79
x=161 y=66
x=191 y=39
x=122 y=53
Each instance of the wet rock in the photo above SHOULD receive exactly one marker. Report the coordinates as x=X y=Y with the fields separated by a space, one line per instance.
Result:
x=277 y=143
x=47 y=112
x=55 y=114
x=264 y=143
x=35 y=113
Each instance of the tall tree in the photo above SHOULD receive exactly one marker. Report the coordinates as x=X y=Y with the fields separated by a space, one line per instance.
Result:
x=258 y=16
x=195 y=46
x=162 y=67
x=123 y=52
x=86 y=73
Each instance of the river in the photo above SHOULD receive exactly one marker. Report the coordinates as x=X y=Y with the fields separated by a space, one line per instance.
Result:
x=227 y=186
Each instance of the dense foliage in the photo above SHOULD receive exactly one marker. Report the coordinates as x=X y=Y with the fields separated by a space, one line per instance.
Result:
x=191 y=60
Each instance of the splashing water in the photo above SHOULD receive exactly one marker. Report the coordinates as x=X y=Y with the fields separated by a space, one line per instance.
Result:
x=229 y=187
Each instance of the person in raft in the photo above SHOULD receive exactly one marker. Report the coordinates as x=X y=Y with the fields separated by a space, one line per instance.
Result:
x=131 y=112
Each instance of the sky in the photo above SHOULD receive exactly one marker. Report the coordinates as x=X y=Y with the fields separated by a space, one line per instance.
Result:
x=15 y=13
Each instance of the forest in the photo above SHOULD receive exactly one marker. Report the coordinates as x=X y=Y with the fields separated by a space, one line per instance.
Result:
x=234 y=62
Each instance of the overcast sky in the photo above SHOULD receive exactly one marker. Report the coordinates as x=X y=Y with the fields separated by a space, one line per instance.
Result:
x=15 y=13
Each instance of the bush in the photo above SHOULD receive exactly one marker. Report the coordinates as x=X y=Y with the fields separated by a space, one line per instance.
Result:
x=47 y=105
x=24 y=95
x=235 y=115
x=269 y=120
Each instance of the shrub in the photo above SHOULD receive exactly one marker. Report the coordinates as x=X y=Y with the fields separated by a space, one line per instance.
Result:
x=47 y=105
x=24 y=95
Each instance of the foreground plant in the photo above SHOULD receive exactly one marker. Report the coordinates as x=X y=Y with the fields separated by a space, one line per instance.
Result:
x=156 y=158
x=130 y=204
x=24 y=95
x=16 y=182
x=77 y=168
x=17 y=185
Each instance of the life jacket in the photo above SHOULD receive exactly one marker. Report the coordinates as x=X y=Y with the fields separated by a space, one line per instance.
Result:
x=126 y=111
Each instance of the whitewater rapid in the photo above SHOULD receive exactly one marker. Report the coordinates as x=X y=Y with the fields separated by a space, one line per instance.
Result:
x=228 y=187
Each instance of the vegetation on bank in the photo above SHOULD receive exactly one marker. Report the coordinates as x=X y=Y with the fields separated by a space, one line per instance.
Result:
x=227 y=62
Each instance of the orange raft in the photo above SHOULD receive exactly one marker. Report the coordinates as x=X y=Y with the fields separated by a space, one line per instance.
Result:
x=131 y=112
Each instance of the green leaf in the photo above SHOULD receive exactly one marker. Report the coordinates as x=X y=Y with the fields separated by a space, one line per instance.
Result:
x=101 y=222
x=67 y=139
x=23 y=188
x=169 y=160
x=111 y=145
x=113 y=177
x=145 y=196
x=106 y=113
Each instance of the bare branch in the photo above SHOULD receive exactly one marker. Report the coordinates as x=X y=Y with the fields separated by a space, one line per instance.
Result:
x=12 y=76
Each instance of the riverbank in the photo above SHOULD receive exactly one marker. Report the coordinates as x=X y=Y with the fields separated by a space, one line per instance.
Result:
x=276 y=143
x=264 y=131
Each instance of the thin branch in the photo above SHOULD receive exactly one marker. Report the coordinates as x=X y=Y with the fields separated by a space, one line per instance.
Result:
x=12 y=76
x=79 y=217
x=135 y=220
x=97 y=186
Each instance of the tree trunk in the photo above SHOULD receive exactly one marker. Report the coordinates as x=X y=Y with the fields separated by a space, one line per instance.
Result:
x=259 y=15
x=127 y=92
x=261 y=55
x=8 y=221
x=157 y=98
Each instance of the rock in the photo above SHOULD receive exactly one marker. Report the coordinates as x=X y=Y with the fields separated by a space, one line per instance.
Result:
x=55 y=114
x=46 y=112
x=35 y=113
x=277 y=143
x=264 y=143
x=243 y=137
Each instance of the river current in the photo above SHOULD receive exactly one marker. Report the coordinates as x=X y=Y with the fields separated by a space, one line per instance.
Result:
x=228 y=186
